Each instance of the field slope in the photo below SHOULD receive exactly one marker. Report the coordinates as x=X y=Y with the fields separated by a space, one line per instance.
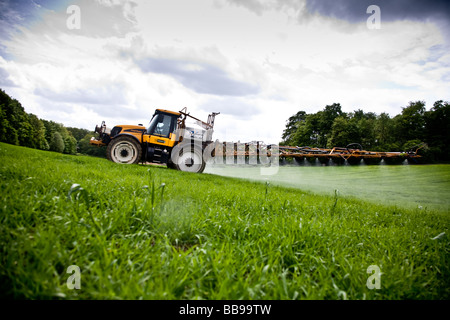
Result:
x=145 y=232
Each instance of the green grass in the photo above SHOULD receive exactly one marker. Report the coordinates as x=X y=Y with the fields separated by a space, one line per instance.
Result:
x=410 y=186
x=146 y=232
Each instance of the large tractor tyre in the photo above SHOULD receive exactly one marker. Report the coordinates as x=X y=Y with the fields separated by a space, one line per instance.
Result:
x=188 y=158
x=124 y=149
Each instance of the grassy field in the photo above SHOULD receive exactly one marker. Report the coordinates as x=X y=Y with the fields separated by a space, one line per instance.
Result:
x=410 y=186
x=146 y=232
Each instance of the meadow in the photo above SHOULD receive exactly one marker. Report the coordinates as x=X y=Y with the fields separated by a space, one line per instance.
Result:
x=148 y=232
x=409 y=186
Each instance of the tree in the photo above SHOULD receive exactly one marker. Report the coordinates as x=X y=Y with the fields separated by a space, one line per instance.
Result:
x=292 y=125
x=51 y=127
x=344 y=131
x=38 y=133
x=88 y=149
x=307 y=133
x=384 y=132
x=325 y=122
x=70 y=145
x=25 y=132
x=77 y=133
x=437 y=128
x=8 y=133
x=20 y=128
x=14 y=120
x=56 y=142
x=410 y=124
x=365 y=123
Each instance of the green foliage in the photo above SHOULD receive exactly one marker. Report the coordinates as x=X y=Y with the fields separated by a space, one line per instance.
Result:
x=411 y=144
x=37 y=139
x=333 y=128
x=325 y=122
x=70 y=145
x=304 y=133
x=69 y=142
x=437 y=128
x=51 y=127
x=293 y=124
x=88 y=149
x=147 y=232
x=410 y=123
x=20 y=128
x=7 y=132
x=343 y=130
x=77 y=133
x=384 y=133
x=56 y=142
x=11 y=114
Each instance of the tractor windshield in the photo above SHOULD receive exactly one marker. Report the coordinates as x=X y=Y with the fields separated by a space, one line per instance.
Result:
x=162 y=125
x=152 y=123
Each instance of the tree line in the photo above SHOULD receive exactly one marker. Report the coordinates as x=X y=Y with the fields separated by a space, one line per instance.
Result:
x=20 y=128
x=331 y=127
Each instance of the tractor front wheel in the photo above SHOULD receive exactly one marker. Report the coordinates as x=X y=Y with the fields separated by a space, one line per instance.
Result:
x=124 y=149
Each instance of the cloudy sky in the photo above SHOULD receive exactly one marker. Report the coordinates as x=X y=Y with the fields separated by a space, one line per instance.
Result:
x=255 y=61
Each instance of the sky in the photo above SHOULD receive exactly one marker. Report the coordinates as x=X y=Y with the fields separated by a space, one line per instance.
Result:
x=257 y=62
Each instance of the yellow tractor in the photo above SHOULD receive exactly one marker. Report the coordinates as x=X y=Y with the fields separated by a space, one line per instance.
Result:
x=167 y=140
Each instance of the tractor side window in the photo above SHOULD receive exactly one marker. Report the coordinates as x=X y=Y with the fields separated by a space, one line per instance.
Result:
x=161 y=125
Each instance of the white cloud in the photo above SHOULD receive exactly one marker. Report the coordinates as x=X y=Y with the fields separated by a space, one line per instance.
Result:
x=255 y=62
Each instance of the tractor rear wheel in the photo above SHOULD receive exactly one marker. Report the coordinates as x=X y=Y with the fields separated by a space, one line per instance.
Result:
x=124 y=149
x=188 y=158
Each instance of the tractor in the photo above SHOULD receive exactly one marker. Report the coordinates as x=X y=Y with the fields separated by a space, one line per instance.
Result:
x=167 y=140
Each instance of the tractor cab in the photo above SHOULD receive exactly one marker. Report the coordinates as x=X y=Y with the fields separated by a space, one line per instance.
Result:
x=163 y=123
x=162 y=127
